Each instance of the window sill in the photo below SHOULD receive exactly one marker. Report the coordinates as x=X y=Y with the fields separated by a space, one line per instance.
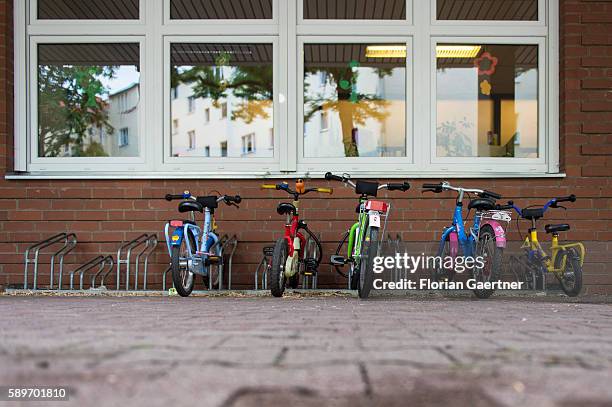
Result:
x=58 y=175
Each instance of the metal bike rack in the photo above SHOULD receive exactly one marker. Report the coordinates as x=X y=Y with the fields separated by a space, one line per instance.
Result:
x=127 y=249
x=263 y=266
x=150 y=246
x=311 y=247
x=107 y=261
x=68 y=240
x=220 y=242
x=165 y=276
x=98 y=261
x=233 y=243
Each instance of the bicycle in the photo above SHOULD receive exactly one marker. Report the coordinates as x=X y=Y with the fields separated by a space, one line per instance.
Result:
x=565 y=260
x=288 y=259
x=364 y=236
x=486 y=238
x=195 y=250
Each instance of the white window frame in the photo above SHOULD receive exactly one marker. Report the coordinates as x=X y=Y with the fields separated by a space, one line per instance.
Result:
x=287 y=31
x=358 y=164
x=217 y=164
x=83 y=163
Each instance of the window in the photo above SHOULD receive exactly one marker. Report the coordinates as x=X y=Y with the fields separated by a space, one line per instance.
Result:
x=236 y=80
x=248 y=144
x=220 y=9
x=207 y=115
x=487 y=101
x=500 y=10
x=94 y=79
x=403 y=88
x=124 y=137
x=192 y=139
x=88 y=9
x=362 y=103
x=191 y=104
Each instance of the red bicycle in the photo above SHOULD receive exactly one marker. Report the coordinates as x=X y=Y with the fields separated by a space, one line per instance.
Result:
x=288 y=260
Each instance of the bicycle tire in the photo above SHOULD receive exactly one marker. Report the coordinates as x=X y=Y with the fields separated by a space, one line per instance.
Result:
x=366 y=274
x=573 y=260
x=487 y=234
x=276 y=275
x=183 y=286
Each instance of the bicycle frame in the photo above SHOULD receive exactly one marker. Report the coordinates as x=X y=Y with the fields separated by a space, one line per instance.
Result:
x=205 y=240
x=295 y=240
x=358 y=230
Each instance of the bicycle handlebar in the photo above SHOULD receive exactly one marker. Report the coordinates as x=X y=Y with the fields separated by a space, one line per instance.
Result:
x=346 y=178
x=171 y=197
x=331 y=177
x=399 y=187
x=285 y=187
x=445 y=186
x=229 y=200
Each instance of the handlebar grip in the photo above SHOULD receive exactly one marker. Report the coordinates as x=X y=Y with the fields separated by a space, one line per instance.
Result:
x=492 y=194
x=431 y=186
x=325 y=190
x=235 y=199
x=269 y=186
x=570 y=198
x=331 y=177
x=170 y=197
x=399 y=187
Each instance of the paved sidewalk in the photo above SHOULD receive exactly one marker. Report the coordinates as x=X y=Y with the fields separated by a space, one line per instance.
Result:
x=160 y=351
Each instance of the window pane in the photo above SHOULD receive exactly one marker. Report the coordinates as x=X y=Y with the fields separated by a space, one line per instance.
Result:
x=487 y=100
x=224 y=95
x=88 y=9
x=355 y=9
x=354 y=100
x=88 y=100
x=221 y=9
x=517 y=10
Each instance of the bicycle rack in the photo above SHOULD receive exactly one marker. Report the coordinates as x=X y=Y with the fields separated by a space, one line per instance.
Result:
x=98 y=261
x=310 y=247
x=220 y=242
x=127 y=250
x=165 y=277
x=233 y=242
x=108 y=260
x=150 y=246
x=264 y=265
x=69 y=242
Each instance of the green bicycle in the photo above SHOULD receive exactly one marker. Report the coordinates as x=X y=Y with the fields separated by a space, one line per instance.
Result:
x=363 y=238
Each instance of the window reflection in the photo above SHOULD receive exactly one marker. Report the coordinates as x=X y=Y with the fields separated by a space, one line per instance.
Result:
x=354 y=100
x=487 y=105
x=88 y=100
x=222 y=99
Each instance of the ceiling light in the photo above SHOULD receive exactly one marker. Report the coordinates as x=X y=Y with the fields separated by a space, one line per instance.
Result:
x=386 y=51
x=457 y=51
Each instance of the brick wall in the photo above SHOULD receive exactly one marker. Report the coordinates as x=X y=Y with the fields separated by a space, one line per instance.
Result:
x=104 y=213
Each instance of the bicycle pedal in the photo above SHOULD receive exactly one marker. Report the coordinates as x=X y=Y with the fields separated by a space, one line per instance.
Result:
x=338 y=260
x=213 y=260
x=311 y=265
x=268 y=251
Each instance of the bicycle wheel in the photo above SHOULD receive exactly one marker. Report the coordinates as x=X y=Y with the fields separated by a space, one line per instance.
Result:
x=492 y=258
x=276 y=277
x=369 y=250
x=182 y=277
x=571 y=277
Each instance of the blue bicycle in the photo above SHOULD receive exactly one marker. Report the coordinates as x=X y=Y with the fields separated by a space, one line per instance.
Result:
x=486 y=238
x=193 y=250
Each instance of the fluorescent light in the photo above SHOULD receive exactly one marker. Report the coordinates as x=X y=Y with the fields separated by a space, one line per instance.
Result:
x=386 y=51
x=457 y=51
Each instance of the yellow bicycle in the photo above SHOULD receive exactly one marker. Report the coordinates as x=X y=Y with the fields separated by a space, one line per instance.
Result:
x=565 y=261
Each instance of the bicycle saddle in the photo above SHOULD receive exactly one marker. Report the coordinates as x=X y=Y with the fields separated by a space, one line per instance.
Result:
x=482 y=204
x=557 y=228
x=190 y=206
x=533 y=213
x=285 y=208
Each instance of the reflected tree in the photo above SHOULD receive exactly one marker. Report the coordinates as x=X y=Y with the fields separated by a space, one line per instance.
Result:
x=70 y=101
x=353 y=108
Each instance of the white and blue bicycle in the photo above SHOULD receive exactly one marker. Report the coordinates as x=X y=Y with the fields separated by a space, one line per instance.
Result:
x=194 y=250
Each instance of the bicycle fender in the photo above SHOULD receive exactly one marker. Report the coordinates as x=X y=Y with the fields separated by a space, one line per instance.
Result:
x=500 y=233
x=351 y=240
